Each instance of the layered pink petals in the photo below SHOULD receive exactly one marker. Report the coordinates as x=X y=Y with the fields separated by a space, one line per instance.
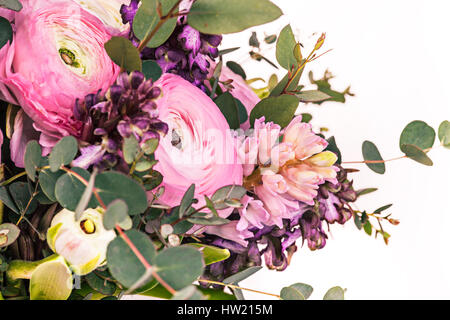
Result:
x=57 y=56
x=253 y=214
x=199 y=148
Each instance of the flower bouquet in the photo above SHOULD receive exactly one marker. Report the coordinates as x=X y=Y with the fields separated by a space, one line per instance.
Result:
x=138 y=159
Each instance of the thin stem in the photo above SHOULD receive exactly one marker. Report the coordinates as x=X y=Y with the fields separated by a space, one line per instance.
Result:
x=382 y=161
x=237 y=287
x=17 y=176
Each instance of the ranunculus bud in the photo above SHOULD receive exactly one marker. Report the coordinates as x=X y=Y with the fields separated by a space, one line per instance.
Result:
x=82 y=243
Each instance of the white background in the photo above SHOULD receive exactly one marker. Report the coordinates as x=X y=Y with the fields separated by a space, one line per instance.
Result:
x=396 y=56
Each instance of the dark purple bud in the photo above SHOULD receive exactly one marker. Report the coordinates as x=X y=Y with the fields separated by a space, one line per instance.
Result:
x=124 y=129
x=115 y=92
x=123 y=80
x=161 y=127
x=154 y=93
x=79 y=110
x=136 y=79
x=129 y=12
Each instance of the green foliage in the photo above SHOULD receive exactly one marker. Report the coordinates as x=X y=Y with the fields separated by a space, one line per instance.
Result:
x=444 y=134
x=8 y=234
x=123 y=264
x=283 y=87
x=236 y=68
x=189 y=293
x=117 y=214
x=208 y=220
x=279 y=110
x=229 y=108
x=365 y=191
x=11 y=4
x=69 y=189
x=298 y=291
x=100 y=284
x=312 y=96
x=383 y=208
x=130 y=149
x=285 y=48
x=124 y=54
x=63 y=153
x=253 y=41
x=371 y=153
x=222 y=17
x=211 y=254
x=227 y=193
x=151 y=70
x=335 y=293
x=187 y=201
x=47 y=181
x=419 y=134
x=332 y=146
x=33 y=159
x=147 y=19
x=6 y=32
x=179 y=266
x=242 y=111
x=324 y=86
x=416 y=154
x=23 y=197
x=7 y=200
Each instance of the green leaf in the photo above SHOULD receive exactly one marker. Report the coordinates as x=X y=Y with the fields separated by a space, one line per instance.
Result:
x=227 y=51
x=368 y=228
x=86 y=197
x=7 y=200
x=270 y=39
x=180 y=227
x=227 y=193
x=211 y=254
x=278 y=90
x=242 y=275
x=150 y=146
x=189 y=293
x=305 y=289
x=101 y=285
x=130 y=149
x=151 y=70
x=117 y=213
x=187 y=201
x=147 y=18
x=242 y=111
x=23 y=197
x=229 y=108
x=47 y=181
x=8 y=234
x=417 y=133
x=306 y=117
x=124 y=54
x=236 y=68
x=212 y=221
x=279 y=110
x=289 y=293
x=285 y=48
x=416 y=154
x=113 y=185
x=444 y=134
x=253 y=41
x=358 y=222
x=11 y=4
x=383 y=208
x=179 y=266
x=363 y=192
x=371 y=153
x=6 y=32
x=123 y=264
x=332 y=146
x=312 y=96
x=33 y=158
x=222 y=17
x=335 y=293
x=69 y=190
x=63 y=153
x=52 y=280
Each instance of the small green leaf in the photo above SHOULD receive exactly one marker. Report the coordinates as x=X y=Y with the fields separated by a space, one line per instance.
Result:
x=270 y=39
x=332 y=146
x=52 y=280
x=417 y=133
x=335 y=293
x=306 y=117
x=288 y=293
x=368 y=228
x=358 y=222
x=212 y=221
x=151 y=70
x=236 y=68
x=124 y=54
x=179 y=266
x=242 y=111
x=123 y=264
x=285 y=48
x=416 y=154
x=33 y=159
x=117 y=214
x=383 y=208
x=23 y=197
x=229 y=108
x=444 y=134
x=8 y=234
x=363 y=192
x=47 y=181
x=14 y=5
x=227 y=193
x=63 y=153
x=6 y=32
x=283 y=84
x=150 y=146
x=371 y=153
x=130 y=149
x=223 y=17
x=147 y=18
x=100 y=285
x=242 y=275
x=187 y=201
x=279 y=110
x=211 y=254
x=7 y=200
x=312 y=96
x=189 y=293
x=253 y=41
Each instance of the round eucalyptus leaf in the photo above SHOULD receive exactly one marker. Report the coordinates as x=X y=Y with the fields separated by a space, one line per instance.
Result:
x=371 y=153
x=419 y=134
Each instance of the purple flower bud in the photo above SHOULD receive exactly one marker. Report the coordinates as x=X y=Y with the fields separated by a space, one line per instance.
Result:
x=136 y=79
x=190 y=39
x=115 y=92
x=124 y=129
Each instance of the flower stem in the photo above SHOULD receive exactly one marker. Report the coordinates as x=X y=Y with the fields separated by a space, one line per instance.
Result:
x=382 y=161
x=17 y=176
x=237 y=287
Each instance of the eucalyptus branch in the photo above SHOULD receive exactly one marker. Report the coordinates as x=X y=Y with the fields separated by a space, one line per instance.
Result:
x=382 y=161
x=232 y=286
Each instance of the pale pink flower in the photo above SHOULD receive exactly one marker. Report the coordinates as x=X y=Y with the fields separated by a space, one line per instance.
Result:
x=248 y=154
x=199 y=148
x=253 y=214
x=267 y=135
x=229 y=231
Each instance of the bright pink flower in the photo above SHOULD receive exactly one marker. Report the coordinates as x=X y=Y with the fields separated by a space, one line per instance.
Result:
x=57 y=55
x=252 y=214
x=199 y=147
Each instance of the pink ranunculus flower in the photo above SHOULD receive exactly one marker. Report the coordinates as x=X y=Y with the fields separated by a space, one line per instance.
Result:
x=108 y=11
x=199 y=148
x=57 y=55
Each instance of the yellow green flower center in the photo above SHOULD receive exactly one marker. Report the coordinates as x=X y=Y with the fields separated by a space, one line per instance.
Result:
x=88 y=226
